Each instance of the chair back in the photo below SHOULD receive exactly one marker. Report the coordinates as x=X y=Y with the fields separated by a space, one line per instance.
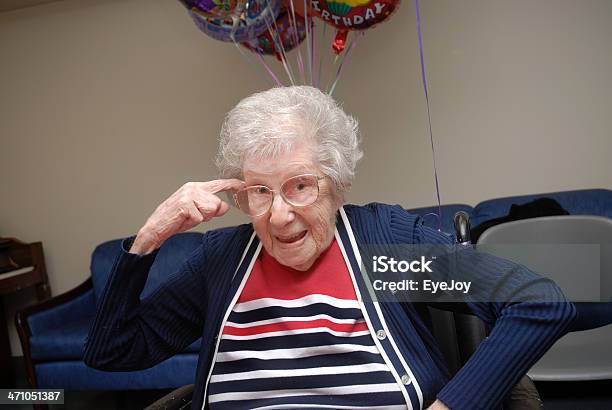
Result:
x=576 y=252
x=173 y=253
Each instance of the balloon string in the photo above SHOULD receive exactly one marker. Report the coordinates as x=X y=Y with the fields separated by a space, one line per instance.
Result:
x=321 y=59
x=269 y=70
x=247 y=57
x=284 y=51
x=424 y=79
x=296 y=39
x=278 y=45
x=308 y=34
x=313 y=55
x=345 y=59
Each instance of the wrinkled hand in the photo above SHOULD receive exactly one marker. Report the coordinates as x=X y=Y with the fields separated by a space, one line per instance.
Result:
x=438 y=405
x=189 y=206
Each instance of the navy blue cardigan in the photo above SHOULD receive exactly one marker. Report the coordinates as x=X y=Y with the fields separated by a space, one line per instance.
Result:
x=130 y=334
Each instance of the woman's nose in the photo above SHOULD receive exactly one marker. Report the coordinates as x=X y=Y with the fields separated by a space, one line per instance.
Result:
x=281 y=213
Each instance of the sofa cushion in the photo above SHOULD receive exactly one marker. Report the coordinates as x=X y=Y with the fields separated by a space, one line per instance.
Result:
x=81 y=307
x=194 y=347
x=177 y=371
x=581 y=202
x=170 y=257
x=61 y=343
x=448 y=212
x=66 y=342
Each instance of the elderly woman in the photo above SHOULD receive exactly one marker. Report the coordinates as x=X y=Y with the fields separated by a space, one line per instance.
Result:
x=282 y=304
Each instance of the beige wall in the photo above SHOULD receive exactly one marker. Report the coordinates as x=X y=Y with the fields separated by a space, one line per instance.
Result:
x=106 y=107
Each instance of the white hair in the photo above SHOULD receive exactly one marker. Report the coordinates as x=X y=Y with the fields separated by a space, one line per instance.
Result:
x=272 y=122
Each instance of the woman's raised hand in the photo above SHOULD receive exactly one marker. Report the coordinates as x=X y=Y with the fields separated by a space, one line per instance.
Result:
x=189 y=206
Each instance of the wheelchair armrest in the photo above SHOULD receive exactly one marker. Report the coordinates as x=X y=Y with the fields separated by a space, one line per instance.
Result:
x=175 y=400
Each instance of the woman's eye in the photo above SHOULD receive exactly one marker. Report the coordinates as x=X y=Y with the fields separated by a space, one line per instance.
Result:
x=300 y=186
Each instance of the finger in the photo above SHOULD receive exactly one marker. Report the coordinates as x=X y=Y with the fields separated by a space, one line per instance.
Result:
x=221 y=185
x=208 y=207
x=191 y=217
x=223 y=208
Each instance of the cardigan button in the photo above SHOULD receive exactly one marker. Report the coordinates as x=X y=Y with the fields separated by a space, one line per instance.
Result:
x=406 y=379
x=381 y=334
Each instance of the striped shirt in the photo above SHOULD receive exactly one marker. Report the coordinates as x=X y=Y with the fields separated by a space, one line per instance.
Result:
x=298 y=339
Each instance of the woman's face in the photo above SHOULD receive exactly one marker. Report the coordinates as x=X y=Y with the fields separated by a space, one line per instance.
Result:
x=294 y=236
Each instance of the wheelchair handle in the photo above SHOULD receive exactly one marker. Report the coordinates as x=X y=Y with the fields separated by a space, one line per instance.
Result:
x=462 y=227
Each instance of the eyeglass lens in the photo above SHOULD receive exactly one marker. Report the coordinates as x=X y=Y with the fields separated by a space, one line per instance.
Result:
x=301 y=190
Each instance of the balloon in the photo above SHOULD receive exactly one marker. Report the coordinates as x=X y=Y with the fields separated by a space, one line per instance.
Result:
x=354 y=14
x=298 y=6
x=285 y=33
x=248 y=25
x=215 y=8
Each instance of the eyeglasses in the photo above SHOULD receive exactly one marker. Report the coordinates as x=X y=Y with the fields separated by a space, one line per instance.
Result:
x=300 y=191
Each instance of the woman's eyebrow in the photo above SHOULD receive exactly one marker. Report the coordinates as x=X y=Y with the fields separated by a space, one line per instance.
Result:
x=287 y=173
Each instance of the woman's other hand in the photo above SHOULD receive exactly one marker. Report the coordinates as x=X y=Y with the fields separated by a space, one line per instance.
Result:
x=189 y=206
x=438 y=405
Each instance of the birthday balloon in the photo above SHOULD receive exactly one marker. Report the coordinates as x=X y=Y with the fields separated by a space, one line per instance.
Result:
x=284 y=36
x=354 y=14
x=248 y=25
x=215 y=8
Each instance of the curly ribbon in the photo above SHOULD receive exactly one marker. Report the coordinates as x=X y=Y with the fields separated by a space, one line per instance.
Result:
x=424 y=79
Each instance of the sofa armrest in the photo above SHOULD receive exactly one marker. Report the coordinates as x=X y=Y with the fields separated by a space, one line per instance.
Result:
x=73 y=304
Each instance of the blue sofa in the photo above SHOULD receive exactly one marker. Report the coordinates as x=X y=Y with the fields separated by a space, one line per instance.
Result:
x=580 y=202
x=53 y=332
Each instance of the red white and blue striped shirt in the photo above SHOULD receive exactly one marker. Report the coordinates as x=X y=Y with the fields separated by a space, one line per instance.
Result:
x=298 y=339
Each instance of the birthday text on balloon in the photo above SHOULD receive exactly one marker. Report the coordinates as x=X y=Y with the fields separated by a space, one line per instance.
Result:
x=355 y=20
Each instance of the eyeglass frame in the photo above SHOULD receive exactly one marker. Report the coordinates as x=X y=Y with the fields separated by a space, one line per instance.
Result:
x=279 y=192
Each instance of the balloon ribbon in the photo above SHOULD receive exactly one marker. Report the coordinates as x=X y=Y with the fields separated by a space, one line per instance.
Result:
x=424 y=79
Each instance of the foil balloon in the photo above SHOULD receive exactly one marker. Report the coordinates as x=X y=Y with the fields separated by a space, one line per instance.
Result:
x=284 y=36
x=215 y=8
x=354 y=14
x=247 y=25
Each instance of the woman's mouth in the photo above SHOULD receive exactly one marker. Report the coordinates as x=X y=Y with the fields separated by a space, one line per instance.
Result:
x=292 y=239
